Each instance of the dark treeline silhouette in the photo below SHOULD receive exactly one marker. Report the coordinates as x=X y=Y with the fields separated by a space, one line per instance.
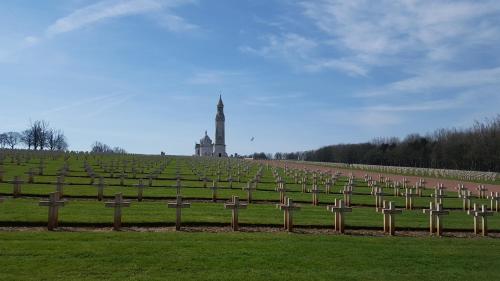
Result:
x=475 y=148
x=99 y=147
x=38 y=136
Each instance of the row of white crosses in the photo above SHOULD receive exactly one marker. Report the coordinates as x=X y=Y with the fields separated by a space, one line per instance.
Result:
x=444 y=173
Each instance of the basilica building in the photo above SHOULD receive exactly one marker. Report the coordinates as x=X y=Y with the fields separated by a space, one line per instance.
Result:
x=218 y=149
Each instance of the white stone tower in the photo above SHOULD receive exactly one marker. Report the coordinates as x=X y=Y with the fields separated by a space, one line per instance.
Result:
x=220 y=134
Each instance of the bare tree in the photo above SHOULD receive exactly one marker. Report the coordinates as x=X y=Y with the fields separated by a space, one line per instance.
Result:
x=3 y=140
x=27 y=138
x=12 y=139
x=40 y=134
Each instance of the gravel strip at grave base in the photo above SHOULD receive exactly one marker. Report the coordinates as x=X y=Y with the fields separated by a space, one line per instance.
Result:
x=263 y=229
x=430 y=182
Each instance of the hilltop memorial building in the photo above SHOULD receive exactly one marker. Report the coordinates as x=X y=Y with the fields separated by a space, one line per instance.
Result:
x=206 y=147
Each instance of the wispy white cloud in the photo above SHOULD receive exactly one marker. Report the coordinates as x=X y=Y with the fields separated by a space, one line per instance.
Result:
x=289 y=46
x=386 y=28
x=302 y=54
x=109 y=9
x=433 y=81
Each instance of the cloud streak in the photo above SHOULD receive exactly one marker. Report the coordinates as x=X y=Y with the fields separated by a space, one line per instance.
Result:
x=106 y=10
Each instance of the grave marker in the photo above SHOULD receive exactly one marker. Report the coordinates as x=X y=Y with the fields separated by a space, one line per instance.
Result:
x=140 y=190
x=117 y=204
x=54 y=203
x=178 y=205
x=435 y=212
x=494 y=199
x=389 y=211
x=16 y=186
x=482 y=213
x=235 y=205
x=288 y=208
x=249 y=188
x=339 y=208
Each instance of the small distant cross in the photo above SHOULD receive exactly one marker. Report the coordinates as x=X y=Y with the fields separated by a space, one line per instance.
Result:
x=16 y=188
x=249 y=188
x=100 y=189
x=140 y=189
x=347 y=195
x=482 y=191
x=495 y=199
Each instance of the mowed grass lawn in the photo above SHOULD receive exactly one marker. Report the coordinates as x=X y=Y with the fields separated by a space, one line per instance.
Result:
x=242 y=256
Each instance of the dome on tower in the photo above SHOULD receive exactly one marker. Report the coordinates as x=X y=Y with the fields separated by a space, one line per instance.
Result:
x=206 y=139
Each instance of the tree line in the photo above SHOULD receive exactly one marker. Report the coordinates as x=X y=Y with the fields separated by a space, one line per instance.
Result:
x=38 y=136
x=474 y=148
x=99 y=147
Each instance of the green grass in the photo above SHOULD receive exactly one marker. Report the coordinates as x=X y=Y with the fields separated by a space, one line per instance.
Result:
x=242 y=256
x=30 y=255
x=80 y=212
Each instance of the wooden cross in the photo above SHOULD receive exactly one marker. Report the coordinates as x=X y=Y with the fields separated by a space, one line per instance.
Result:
x=482 y=213
x=418 y=188
x=435 y=212
x=205 y=179
x=100 y=189
x=117 y=204
x=60 y=186
x=122 y=179
x=438 y=196
x=249 y=188
x=303 y=184
x=315 y=191
x=288 y=208
x=482 y=191
x=230 y=180
x=347 y=195
x=235 y=205
x=339 y=208
x=150 y=179
x=53 y=203
x=495 y=199
x=16 y=186
x=409 y=198
x=31 y=175
x=389 y=211
x=178 y=205
x=177 y=187
x=214 y=191
x=328 y=186
x=395 y=187
x=379 y=198
x=282 y=190
x=460 y=190
x=140 y=190
x=466 y=196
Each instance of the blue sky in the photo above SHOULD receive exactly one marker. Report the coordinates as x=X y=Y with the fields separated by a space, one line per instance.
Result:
x=146 y=74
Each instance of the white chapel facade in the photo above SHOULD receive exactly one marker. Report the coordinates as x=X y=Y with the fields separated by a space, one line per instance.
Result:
x=218 y=149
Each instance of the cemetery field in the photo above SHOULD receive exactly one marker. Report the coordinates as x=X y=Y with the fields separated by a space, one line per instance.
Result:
x=182 y=218
x=242 y=256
